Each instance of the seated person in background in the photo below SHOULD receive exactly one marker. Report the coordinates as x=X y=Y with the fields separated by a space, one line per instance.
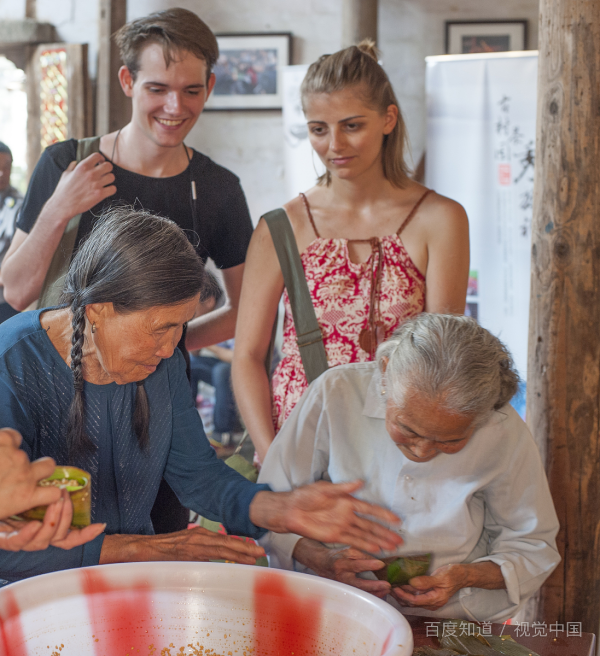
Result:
x=212 y=365
x=19 y=491
x=10 y=204
x=429 y=428
x=99 y=384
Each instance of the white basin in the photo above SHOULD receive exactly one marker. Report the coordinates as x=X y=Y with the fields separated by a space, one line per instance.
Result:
x=169 y=609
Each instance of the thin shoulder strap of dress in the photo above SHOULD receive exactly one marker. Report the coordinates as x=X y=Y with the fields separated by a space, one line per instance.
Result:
x=413 y=211
x=310 y=216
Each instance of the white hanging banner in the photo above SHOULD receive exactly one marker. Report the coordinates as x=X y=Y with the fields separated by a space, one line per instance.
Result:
x=481 y=112
x=302 y=166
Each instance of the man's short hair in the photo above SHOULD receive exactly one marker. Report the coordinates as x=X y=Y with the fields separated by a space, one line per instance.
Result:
x=176 y=30
x=5 y=149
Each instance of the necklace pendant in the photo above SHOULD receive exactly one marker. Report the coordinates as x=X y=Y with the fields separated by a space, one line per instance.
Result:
x=369 y=339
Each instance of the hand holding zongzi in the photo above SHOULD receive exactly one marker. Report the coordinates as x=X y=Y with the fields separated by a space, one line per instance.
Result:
x=342 y=564
x=55 y=530
x=19 y=478
x=433 y=592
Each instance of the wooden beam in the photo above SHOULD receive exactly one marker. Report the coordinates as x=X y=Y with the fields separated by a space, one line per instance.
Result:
x=359 y=21
x=112 y=106
x=563 y=395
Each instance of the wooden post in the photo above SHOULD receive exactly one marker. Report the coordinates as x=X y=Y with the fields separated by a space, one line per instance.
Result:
x=31 y=9
x=359 y=21
x=563 y=395
x=112 y=106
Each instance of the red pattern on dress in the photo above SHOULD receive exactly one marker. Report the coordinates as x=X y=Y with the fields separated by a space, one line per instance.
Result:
x=340 y=291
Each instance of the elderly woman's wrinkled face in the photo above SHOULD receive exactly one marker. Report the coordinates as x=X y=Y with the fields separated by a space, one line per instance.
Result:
x=129 y=347
x=423 y=428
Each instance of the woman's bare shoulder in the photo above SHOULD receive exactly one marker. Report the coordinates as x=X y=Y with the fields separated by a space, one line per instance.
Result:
x=298 y=213
x=438 y=203
x=295 y=209
x=441 y=213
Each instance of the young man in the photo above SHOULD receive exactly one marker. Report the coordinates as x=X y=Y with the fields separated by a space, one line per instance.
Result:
x=168 y=59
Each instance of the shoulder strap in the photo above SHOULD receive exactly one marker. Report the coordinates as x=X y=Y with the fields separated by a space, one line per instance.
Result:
x=308 y=331
x=413 y=211
x=55 y=277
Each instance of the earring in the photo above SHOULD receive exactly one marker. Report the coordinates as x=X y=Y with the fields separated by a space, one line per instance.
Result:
x=94 y=327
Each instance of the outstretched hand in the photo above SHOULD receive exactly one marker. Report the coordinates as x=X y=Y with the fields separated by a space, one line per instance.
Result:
x=196 y=544
x=327 y=512
x=54 y=531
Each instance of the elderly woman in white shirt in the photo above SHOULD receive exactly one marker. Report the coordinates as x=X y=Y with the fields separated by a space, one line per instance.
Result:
x=429 y=429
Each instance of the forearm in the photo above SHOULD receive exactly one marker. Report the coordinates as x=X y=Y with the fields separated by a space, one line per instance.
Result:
x=270 y=510
x=211 y=328
x=24 y=270
x=311 y=554
x=253 y=397
x=485 y=575
x=222 y=353
x=124 y=549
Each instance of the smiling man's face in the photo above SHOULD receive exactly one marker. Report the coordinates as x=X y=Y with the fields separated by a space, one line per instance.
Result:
x=167 y=101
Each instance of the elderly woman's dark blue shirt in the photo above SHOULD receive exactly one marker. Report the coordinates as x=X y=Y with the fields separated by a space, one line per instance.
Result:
x=36 y=389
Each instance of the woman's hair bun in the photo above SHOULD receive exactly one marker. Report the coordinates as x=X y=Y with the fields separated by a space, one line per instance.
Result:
x=368 y=47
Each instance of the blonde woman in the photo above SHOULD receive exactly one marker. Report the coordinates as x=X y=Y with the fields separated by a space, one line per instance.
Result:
x=376 y=246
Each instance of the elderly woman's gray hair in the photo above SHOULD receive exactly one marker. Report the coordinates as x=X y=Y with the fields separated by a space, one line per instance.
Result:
x=451 y=359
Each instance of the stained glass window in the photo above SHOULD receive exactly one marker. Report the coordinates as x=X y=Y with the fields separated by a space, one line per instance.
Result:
x=53 y=96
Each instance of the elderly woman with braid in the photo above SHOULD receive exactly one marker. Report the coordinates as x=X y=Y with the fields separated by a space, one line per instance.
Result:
x=98 y=383
x=429 y=428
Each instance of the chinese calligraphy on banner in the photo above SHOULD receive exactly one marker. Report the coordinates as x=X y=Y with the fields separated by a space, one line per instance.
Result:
x=481 y=112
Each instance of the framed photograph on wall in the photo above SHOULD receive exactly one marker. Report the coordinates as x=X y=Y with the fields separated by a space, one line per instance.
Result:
x=469 y=37
x=249 y=71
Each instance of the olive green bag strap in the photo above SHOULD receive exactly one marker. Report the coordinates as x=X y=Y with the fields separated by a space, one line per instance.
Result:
x=55 y=278
x=308 y=331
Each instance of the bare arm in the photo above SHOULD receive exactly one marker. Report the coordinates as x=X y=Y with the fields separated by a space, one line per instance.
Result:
x=80 y=188
x=448 y=258
x=261 y=291
x=222 y=353
x=219 y=325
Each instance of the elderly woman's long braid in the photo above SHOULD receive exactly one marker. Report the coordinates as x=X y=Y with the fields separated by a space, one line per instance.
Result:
x=141 y=416
x=77 y=440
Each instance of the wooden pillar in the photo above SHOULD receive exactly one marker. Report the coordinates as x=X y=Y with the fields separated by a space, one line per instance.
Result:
x=112 y=106
x=563 y=395
x=359 y=21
